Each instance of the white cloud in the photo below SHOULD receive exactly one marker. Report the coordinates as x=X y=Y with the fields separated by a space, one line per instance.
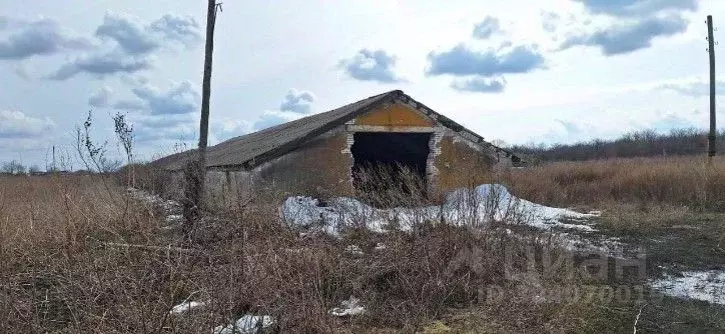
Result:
x=639 y=8
x=40 y=37
x=180 y=98
x=480 y=85
x=223 y=129
x=371 y=65
x=103 y=64
x=296 y=104
x=260 y=54
x=695 y=87
x=628 y=36
x=101 y=97
x=486 y=28
x=297 y=101
x=158 y=114
x=16 y=124
x=271 y=118
x=133 y=46
x=138 y=39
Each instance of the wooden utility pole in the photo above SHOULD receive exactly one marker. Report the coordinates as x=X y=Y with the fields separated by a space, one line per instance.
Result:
x=206 y=87
x=196 y=193
x=711 y=51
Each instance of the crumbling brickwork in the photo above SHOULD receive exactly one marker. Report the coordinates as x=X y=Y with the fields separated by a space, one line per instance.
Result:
x=460 y=164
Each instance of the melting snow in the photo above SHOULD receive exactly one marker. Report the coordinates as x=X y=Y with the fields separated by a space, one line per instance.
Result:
x=477 y=207
x=707 y=286
x=185 y=307
x=170 y=208
x=354 y=250
x=349 y=307
x=248 y=324
x=463 y=207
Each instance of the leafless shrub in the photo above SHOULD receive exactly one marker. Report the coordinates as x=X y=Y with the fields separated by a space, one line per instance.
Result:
x=92 y=154
x=124 y=133
x=74 y=261
x=390 y=186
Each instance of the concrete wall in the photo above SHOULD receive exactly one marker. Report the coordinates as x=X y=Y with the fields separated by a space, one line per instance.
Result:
x=227 y=189
x=320 y=167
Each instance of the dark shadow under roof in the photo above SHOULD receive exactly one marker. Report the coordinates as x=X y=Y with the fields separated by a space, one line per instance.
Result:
x=252 y=149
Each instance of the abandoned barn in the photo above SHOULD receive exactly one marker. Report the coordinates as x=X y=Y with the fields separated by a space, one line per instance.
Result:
x=323 y=153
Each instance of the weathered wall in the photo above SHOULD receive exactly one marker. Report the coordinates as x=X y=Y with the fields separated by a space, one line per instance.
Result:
x=396 y=114
x=228 y=189
x=320 y=167
x=460 y=163
x=224 y=189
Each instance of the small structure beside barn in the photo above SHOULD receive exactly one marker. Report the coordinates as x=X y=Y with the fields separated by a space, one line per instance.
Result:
x=321 y=153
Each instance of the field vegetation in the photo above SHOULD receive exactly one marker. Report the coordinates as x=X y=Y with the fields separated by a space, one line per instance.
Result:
x=81 y=252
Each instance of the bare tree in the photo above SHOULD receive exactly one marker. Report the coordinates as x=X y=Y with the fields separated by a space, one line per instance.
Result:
x=92 y=154
x=124 y=132
x=13 y=167
x=34 y=169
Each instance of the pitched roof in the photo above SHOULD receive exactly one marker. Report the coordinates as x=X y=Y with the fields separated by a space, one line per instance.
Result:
x=252 y=149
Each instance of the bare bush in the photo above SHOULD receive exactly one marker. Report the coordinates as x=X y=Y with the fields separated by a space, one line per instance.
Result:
x=73 y=259
x=390 y=185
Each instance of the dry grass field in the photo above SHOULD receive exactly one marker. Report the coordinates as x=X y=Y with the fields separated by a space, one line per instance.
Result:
x=645 y=200
x=675 y=181
x=79 y=255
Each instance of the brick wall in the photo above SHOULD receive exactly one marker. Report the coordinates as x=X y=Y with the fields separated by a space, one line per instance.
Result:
x=459 y=164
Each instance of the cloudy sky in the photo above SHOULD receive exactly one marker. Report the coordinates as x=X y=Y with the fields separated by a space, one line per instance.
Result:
x=521 y=71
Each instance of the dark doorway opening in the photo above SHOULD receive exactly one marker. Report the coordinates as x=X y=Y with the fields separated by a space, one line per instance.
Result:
x=390 y=167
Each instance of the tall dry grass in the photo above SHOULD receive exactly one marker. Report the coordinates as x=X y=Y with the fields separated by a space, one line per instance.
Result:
x=77 y=254
x=674 y=181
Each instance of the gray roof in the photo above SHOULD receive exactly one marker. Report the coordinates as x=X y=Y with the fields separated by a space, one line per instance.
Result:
x=252 y=149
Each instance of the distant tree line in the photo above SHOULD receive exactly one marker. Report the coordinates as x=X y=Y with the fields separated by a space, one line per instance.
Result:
x=14 y=167
x=645 y=143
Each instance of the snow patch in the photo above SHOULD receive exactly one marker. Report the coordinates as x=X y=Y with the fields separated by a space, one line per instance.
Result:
x=462 y=207
x=349 y=307
x=248 y=324
x=171 y=209
x=173 y=219
x=707 y=286
x=168 y=206
x=354 y=250
x=186 y=306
